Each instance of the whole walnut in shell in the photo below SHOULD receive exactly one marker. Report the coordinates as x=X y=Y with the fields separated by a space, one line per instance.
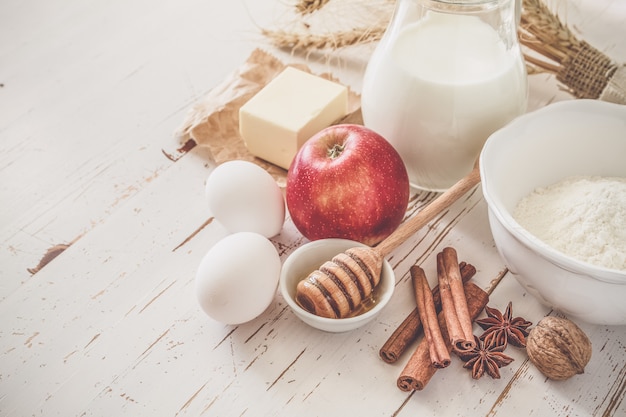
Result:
x=558 y=348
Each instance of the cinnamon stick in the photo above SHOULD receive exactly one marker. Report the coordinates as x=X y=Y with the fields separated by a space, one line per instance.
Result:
x=419 y=370
x=408 y=331
x=453 y=300
x=439 y=355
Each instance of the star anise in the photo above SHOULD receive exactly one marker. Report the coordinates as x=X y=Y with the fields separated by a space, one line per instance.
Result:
x=484 y=358
x=501 y=329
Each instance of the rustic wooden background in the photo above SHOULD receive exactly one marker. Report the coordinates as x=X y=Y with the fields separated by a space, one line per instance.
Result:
x=90 y=96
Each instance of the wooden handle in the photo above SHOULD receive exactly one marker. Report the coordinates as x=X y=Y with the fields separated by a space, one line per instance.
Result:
x=445 y=200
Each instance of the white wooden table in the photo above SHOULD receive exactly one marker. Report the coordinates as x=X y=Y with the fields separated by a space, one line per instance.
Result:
x=90 y=95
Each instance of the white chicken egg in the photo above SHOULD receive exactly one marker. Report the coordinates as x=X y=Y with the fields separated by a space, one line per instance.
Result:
x=238 y=277
x=244 y=197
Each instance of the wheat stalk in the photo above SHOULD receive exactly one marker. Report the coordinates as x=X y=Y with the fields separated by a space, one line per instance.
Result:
x=542 y=31
x=310 y=6
x=324 y=25
x=583 y=69
x=302 y=41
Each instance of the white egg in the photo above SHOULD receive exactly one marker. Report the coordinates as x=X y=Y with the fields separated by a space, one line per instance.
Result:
x=244 y=197
x=237 y=279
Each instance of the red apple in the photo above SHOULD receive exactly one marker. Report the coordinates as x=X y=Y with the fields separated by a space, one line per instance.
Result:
x=347 y=182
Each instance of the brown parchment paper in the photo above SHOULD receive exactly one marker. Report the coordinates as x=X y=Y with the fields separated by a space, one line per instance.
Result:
x=214 y=121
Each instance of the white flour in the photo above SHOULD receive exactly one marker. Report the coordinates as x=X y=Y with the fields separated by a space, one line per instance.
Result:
x=583 y=217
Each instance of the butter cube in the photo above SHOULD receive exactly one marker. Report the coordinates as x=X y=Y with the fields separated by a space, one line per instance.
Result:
x=291 y=108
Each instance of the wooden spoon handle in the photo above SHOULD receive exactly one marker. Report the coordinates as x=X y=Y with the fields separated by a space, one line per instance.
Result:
x=445 y=200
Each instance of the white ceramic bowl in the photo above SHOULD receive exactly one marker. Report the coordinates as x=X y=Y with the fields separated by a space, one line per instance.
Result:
x=309 y=257
x=576 y=137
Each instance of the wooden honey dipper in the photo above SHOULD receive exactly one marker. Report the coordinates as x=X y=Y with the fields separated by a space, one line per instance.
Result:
x=338 y=287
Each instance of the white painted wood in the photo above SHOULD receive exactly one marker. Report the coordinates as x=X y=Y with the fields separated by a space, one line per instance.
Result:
x=91 y=95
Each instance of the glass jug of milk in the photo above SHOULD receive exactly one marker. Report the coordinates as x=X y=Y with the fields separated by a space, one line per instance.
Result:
x=445 y=75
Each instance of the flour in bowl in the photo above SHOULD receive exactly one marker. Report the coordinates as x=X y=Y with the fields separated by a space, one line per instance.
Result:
x=583 y=217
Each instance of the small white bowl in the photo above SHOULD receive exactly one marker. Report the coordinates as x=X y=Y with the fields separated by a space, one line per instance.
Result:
x=309 y=257
x=576 y=137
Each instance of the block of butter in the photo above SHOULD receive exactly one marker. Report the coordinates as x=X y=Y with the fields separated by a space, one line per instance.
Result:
x=290 y=109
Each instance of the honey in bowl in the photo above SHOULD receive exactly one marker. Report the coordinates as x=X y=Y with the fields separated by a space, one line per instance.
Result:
x=366 y=304
x=340 y=286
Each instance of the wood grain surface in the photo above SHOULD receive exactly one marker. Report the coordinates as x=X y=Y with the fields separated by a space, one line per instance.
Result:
x=103 y=222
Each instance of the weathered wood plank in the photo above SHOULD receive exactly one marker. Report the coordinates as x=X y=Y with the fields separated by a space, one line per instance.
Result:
x=91 y=95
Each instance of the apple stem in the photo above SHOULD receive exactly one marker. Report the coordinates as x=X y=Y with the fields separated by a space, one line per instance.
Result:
x=335 y=151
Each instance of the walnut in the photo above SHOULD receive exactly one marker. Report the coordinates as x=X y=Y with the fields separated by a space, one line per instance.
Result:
x=558 y=348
